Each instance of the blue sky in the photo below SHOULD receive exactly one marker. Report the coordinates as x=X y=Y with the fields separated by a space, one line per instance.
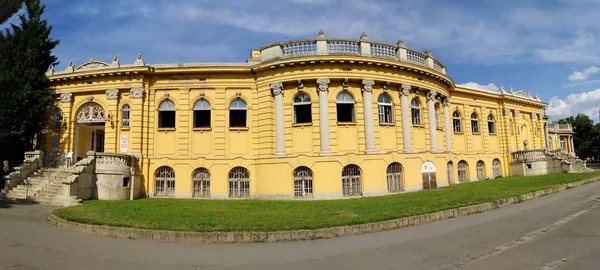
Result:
x=546 y=47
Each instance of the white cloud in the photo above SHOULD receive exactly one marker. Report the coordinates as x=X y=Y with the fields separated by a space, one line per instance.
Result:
x=583 y=75
x=491 y=87
x=586 y=102
x=582 y=49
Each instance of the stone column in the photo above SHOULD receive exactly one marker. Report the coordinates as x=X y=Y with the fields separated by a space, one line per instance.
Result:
x=447 y=125
x=323 y=84
x=277 y=90
x=572 y=147
x=546 y=137
x=432 y=125
x=368 y=113
x=406 y=124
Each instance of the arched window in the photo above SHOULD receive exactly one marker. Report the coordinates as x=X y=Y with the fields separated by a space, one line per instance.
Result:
x=166 y=114
x=384 y=106
x=456 y=122
x=303 y=183
x=238 y=113
x=450 y=171
x=474 y=123
x=165 y=182
x=437 y=116
x=302 y=109
x=394 y=177
x=202 y=114
x=351 y=181
x=345 y=108
x=57 y=118
x=480 y=170
x=491 y=124
x=125 y=116
x=463 y=171
x=496 y=168
x=429 y=175
x=239 y=183
x=415 y=111
x=201 y=183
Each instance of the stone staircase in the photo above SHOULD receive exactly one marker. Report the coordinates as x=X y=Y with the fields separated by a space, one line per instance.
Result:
x=45 y=186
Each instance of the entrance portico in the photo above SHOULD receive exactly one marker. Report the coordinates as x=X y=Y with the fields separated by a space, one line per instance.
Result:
x=89 y=130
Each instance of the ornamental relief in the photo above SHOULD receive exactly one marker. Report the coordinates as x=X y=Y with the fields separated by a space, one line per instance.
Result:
x=112 y=160
x=91 y=112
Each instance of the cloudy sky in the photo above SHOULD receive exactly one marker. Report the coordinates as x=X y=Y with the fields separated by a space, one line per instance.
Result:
x=546 y=47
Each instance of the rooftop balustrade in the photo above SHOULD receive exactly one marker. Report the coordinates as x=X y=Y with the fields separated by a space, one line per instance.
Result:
x=322 y=45
x=560 y=127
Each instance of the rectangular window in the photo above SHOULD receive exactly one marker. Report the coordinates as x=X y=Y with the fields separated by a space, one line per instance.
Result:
x=166 y=119
x=456 y=123
x=125 y=181
x=302 y=114
x=474 y=127
x=491 y=127
x=416 y=116
x=345 y=113
x=385 y=114
x=201 y=118
x=237 y=118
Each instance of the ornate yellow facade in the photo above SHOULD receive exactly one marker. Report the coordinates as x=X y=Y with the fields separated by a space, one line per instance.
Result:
x=319 y=118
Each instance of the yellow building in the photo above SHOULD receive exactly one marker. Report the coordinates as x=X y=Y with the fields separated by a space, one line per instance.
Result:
x=318 y=118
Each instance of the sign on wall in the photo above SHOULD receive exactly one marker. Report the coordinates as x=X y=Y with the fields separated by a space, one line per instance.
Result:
x=124 y=143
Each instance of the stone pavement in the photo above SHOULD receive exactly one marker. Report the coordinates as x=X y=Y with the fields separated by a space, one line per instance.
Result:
x=558 y=231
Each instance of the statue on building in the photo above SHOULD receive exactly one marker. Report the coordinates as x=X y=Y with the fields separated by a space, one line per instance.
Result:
x=526 y=144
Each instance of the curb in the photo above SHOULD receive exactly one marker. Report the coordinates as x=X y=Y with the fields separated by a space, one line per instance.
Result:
x=299 y=235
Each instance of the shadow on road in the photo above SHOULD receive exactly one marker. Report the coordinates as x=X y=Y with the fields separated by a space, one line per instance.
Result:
x=6 y=203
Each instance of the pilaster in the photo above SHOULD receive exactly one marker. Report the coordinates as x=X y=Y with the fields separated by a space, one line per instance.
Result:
x=135 y=118
x=431 y=117
x=447 y=126
x=368 y=115
x=404 y=90
x=323 y=88
x=111 y=127
x=277 y=90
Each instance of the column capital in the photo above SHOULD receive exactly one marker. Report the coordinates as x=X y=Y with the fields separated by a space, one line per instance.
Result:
x=112 y=94
x=66 y=97
x=368 y=85
x=446 y=102
x=323 y=84
x=404 y=89
x=277 y=88
x=431 y=95
x=137 y=93
x=507 y=111
x=517 y=113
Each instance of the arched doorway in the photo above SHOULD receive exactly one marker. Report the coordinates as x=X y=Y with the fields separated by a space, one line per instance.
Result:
x=89 y=129
x=429 y=175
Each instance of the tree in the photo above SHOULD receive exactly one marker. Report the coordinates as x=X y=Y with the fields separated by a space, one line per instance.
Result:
x=9 y=8
x=25 y=55
x=586 y=136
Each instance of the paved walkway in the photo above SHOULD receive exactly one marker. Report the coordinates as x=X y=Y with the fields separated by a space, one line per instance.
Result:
x=558 y=231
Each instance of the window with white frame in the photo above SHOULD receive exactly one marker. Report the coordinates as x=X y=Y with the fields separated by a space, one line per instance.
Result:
x=480 y=166
x=449 y=171
x=456 y=122
x=202 y=114
x=303 y=183
x=57 y=118
x=394 y=177
x=563 y=144
x=164 y=182
x=474 y=123
x=238 y=114
x=239 y=183
x=463 y=173
x=496 y=168
x=166 y=114
x=125 y=115
x=437 y=116
x=491 y=124
x=384 y=106
x=201 y=183
x=302 y=109
x=345 y=108
x=351 y=181
x=415 y=111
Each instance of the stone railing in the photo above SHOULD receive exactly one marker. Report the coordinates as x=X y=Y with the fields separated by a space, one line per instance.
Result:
x=31 y=164
x=560 y=127
x=112 y=159
x=322 y=45
x=529 y=155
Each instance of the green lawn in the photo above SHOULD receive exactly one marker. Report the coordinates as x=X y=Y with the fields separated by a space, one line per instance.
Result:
x=261 y=215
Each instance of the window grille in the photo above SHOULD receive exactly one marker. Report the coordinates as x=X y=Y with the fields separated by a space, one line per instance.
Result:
x=125 y=116
x=480 y=170
x=474 y=123
x=351 y=181
x=302 y=109
x=58 y=118
x=496 y=168
x=202 y=114
x=463 y=174
x=415 y=111
x=456 y=122
x=238 y=114
x=166 y=114
x=384 y=105
x=345 y=108
x=201 y=183
x=303 y=183
x=239 y=183
x=165 y=182
x=394 y=177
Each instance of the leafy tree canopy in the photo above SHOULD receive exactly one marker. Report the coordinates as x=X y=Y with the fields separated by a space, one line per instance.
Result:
x=586 y=135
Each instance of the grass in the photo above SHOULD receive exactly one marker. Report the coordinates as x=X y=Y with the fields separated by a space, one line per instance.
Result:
x=261 y=215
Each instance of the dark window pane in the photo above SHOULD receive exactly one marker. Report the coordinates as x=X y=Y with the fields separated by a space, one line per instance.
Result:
x=166 y=119
x=345 y=112
x=237 y=118
x=202 y=119
x=303 y=114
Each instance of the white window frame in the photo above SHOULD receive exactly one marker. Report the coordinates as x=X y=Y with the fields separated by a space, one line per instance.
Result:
x=463 y=171
x=474 y=123
x=201 y=183
x=394 y=177
x=164 y=180
x=345 y=98
x=166 y=106
x=239 y=183
x=385 y=109
x=351 y=181
x=125 y=115
x=303 y=182
x=480 y=166
x=415 y=111
x=456 y=119
x=238 y=105
x=492 y=124
x=301 y=100
x=496 y=168
x=201 y=105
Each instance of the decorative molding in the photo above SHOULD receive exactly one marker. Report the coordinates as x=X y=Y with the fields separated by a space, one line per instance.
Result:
x=431 y=95
x=91 y=112
x=517 y=113
x=238 y=94
x=112 y=94
x=139 y=61
x=368 y=85
x=166 y=95
x=90 y=98
x=446 y=102
x=345 y=84
x=137 y=93
x=507 y=111
x=92 y=64
x=404 y=89
x=202 y=94
x=115 y=63
x=300 y=86
x=418 y=91
x=534 y=116
x=70 y=68
x=66 y=97
x=323 y=84
x=277 y=88
x=385 y=86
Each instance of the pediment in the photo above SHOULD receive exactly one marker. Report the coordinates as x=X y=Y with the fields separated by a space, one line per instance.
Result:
x=92 y=64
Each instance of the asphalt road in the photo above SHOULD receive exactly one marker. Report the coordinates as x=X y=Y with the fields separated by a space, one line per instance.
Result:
x=558 y=231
